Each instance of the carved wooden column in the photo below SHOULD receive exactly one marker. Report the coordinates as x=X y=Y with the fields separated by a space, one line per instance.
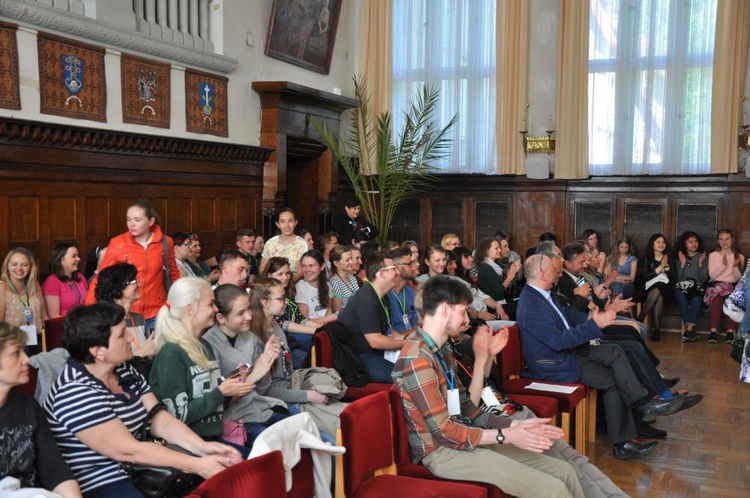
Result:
x=300 y=161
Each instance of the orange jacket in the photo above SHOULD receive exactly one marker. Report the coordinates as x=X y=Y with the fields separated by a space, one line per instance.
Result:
x=150 y=263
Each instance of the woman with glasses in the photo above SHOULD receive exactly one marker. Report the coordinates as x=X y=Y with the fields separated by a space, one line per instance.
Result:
x=182 y=245
x=118 y=284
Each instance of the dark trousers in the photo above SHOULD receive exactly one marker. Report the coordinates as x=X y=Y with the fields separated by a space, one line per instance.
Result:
x=606 y=369
x=641 y=364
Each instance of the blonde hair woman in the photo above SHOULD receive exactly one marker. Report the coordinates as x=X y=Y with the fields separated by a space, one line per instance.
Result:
x=185 y=374
x=21 y=302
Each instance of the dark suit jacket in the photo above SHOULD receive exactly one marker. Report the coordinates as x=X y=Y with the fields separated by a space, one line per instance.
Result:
x=566 y=285
x=547 y=344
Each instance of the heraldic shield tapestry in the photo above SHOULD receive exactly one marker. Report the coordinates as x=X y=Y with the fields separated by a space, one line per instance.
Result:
x=10 y=94
x=146 y=95
x=206 y=103
x=71 y=79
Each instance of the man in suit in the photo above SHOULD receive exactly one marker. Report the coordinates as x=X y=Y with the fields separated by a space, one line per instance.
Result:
x=560 y=345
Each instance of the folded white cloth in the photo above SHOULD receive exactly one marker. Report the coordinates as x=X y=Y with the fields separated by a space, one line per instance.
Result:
x=10 y=487
x=290 y=436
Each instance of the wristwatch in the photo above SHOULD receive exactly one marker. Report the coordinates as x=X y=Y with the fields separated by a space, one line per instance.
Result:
x=500 y=438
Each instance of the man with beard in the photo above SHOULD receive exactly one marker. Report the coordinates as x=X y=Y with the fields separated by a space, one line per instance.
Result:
x=403 y=314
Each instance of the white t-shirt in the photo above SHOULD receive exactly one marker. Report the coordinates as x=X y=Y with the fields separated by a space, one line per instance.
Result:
x=308 y=295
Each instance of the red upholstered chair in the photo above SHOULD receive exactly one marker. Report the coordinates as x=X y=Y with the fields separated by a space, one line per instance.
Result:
x=581 y=403
x=261 y=476
x=322 y=356
x=303 y=480
x=53 y=333
x=368 y=469
x=401 y=451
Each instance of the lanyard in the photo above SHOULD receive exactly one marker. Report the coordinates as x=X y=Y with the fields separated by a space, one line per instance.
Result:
x=450 y=379
x=74 y=287
x=25 y=304
x=400 y=303
x=382 y=305
x=132 y=330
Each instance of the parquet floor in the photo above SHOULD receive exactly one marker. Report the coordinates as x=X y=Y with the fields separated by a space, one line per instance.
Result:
x=707 y=451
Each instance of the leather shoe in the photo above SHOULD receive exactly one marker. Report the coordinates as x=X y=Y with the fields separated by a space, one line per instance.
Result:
x=690 y=400
x=633 y=448
x=645 y=431
x=658 y=406
x=670 y=381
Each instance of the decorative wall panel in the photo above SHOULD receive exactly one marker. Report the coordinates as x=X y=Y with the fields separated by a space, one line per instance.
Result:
x=206 y=103
x=146 y=96
x=10 y=94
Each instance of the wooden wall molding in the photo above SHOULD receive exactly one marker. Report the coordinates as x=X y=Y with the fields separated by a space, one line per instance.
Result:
x=53 y=135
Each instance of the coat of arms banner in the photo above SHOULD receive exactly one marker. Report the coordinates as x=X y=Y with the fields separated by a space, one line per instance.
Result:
x=206 y=103
x=146 y=94
x=72 y=81
x=10 y=94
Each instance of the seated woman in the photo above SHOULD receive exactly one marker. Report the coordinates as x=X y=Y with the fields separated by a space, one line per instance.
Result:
x=97 y=435
x=689 y=273
x=490 y=277
x=65 y=288
x=308 y=238
x=623 y=259
x=298 y=328
x=21 y=301
x=234 y=344
x=592 y=238
x=450 y=241
x=200 y=268
x=435 y=261
x=118 y=284
x=343 y=282
x=655 y=281
x=725 y=267
x=185 y=374
x=28 y=451
x=313 y=295
x=268 y=301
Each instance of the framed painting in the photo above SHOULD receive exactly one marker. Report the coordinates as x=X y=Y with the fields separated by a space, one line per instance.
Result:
x=302 y=32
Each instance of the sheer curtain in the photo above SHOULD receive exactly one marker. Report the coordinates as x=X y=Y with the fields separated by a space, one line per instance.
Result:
x=450 y=44
x=650 y=77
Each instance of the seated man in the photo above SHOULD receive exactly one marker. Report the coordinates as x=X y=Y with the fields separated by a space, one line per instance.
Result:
x=558 y=345
x=366 y=316
x=232 y=269
x=403 y=314
x=448 y=432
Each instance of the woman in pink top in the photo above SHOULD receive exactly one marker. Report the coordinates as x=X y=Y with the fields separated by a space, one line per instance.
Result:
x=65 y=288
x=725 y=265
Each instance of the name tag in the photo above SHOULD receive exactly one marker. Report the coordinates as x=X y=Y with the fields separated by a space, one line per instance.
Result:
x=28 y=314
x=30 y=331
x=454 y=404
x=391 y=355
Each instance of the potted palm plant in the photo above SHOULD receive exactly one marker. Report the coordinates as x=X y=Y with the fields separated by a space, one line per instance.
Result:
x=384 y=171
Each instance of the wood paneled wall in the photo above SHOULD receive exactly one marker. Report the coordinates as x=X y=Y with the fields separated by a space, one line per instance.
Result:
x=59 y=183
x=638 y=206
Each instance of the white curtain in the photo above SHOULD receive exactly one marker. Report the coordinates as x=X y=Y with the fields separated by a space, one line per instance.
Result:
x=650 y=77
x=450 y=44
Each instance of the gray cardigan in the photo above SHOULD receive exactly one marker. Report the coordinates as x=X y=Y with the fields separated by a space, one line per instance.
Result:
x=253 y=407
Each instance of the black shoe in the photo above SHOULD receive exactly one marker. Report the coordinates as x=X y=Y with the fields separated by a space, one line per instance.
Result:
x=632 y=448
x=713 y=338
x=690 y=400
x=656 y=335
x=690 y=336
x=645 y=431
x=730 y=338
x=658 y=406
x=670 y=381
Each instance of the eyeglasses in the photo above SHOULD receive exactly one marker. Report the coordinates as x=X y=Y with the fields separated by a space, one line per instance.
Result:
x=392 y=267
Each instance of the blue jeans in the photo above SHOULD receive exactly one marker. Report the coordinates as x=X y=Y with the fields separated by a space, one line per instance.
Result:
x=688 y=309
x=254 y=429
x=378 y=368
x=119 y=489
x=244 y=451
x=641 y=364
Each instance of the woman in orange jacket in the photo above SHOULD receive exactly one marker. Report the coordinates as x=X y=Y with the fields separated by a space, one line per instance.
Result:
x=145 y=246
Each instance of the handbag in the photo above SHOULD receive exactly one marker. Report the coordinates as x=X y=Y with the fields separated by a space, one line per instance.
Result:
x=158 y=482
x=233 y=431
x=738 y=348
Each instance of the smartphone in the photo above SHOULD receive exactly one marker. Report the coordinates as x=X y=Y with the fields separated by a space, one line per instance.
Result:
x=245 y=368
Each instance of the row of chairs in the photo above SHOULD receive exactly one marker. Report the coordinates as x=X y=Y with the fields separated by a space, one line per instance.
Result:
x=578 y=407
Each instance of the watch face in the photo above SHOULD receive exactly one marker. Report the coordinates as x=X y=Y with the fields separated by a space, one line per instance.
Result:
x=500 y=437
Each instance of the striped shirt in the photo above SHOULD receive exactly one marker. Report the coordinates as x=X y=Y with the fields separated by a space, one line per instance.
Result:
x=343 y=290
x=79 y=401
x=419 y=376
